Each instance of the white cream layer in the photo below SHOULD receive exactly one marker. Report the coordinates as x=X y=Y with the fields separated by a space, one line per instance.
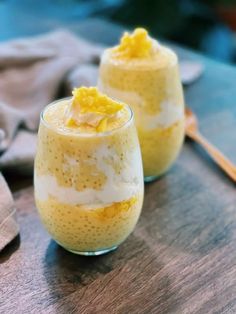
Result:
x=169 y=115
x=117 y=188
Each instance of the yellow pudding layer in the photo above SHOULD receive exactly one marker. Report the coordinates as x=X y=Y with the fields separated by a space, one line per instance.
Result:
x=151 y=86
x=160 y=148
x=88 y=183
x=78 y=228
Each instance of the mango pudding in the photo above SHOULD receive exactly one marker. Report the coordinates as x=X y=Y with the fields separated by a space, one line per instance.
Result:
x=88 y=172
x=144 y=74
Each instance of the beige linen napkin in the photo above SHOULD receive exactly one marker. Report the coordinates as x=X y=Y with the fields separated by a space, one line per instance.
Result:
x=32 y=73
x=8 y=226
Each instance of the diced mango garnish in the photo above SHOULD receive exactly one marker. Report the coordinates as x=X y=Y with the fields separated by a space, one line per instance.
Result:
x=91 y=107
x=91 y=100
x=135 y=45
x=102 y=125
x=70 y=122
x=116 y=209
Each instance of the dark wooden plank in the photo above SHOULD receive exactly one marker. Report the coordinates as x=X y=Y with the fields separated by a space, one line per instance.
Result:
x=181 y=258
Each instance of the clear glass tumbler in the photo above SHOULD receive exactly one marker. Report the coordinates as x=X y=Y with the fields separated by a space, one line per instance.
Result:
x=153 y=89
x=88 y=187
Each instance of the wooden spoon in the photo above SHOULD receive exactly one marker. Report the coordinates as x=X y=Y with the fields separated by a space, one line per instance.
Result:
x=191 y=130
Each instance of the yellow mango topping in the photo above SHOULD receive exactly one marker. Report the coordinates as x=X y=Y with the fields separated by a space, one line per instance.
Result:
x=89 y=99
x=116 y=209
x=135 y=45
x=92 y=108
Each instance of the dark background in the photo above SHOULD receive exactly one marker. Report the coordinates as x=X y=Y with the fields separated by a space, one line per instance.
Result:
x=207 y=26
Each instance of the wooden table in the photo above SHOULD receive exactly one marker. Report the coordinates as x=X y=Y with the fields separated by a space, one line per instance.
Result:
x=181 y=258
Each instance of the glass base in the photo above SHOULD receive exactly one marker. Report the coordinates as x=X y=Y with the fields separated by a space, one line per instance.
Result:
x=92 y=253
x=151 y=179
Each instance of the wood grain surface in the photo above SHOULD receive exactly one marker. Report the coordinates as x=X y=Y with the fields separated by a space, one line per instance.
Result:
x=181 y=258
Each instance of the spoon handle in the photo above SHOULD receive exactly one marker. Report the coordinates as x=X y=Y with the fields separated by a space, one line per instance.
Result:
x=217 y=156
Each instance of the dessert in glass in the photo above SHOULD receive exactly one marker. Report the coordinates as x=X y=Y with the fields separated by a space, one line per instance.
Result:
x=143 y=73
x=88 y=172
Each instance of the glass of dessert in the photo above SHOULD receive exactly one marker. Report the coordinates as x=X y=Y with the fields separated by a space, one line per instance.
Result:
x=143 y=73
x=88 y=172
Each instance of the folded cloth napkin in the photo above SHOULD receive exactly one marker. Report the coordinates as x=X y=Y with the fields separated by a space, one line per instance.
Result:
x=32 y=74
x=8 y=226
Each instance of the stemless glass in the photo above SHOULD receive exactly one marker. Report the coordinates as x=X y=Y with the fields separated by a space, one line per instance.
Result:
x=88 y=186
x=155 y=94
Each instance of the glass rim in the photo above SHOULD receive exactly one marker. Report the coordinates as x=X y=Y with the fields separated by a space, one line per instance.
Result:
x=83 y=134
x=136 y=64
